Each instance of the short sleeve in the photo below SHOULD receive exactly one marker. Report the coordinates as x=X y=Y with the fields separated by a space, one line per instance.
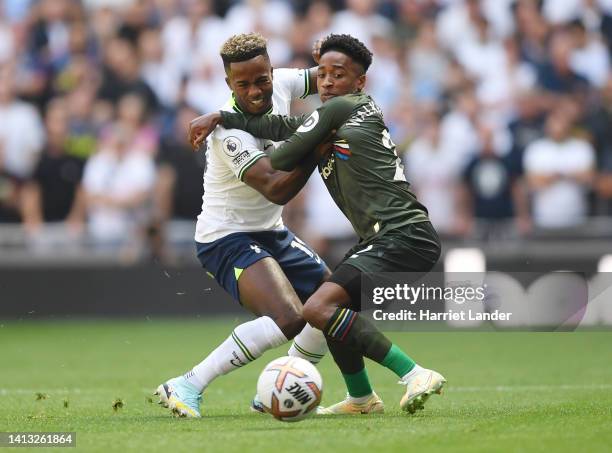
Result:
x=239 y=150
x=584 y=156
x=297 y=81
x=535 y=159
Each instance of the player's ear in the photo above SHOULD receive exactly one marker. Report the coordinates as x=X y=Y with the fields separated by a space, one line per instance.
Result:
x=227 y=81
x=361 y=81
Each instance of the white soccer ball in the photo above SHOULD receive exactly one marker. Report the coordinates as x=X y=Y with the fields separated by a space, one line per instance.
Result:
x=290 y=388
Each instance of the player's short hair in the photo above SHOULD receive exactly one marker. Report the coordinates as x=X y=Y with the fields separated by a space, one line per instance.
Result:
x=350 y=46
x=243 y=47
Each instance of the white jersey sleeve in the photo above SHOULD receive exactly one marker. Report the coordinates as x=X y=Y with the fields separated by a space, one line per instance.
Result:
x=297 y=81
x=237 y=149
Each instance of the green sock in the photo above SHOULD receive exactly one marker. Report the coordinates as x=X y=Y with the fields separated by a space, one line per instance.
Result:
x=358 y=384
x=397 y=361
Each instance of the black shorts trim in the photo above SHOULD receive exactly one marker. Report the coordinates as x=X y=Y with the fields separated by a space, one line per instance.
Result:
x=349 y=278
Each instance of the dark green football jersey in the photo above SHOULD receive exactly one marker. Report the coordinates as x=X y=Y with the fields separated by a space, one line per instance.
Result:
x=363 y=173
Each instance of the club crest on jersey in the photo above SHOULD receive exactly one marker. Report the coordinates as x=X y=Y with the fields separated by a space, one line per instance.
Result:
x=310 y=122
x=232 y=146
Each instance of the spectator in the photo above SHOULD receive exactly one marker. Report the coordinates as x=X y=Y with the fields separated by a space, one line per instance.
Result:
x=590 y=57
x=361 y=20
x=559 y=171
x=179 y=183
x=528 y=124
x=433 y=167
x=532 y=32
x=427 y=64
x=198 y=33
x=600 y=123
x=19 y=151
x=557 y=76
x=121 y=75
x=52 y=195
x=118 y=183
x=493 y=193
x=132 y=118
x=83 y=131
x=159 y=73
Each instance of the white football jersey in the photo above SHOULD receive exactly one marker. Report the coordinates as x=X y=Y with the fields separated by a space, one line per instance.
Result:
x=229 y=205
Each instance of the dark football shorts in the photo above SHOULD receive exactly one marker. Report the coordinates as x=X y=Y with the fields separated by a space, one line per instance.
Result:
x=413 y=248
x=226 y=258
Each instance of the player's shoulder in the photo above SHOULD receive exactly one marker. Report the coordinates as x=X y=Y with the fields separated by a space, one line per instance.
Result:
x=289 y=75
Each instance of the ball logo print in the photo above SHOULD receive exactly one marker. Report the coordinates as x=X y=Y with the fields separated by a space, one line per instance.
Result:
x=290 y=388
x=232 y=146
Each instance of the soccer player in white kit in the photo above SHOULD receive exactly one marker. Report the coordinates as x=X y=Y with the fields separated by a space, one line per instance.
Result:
x=240 y=236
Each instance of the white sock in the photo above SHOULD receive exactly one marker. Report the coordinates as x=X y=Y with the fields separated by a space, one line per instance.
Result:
x=412 y=372
x=247 y=342
x=309 y=345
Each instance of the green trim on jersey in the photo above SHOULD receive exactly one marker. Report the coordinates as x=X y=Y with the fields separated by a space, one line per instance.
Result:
x=249 y=165
x=306 y=84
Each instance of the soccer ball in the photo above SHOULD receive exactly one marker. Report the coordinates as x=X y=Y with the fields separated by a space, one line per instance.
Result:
x=290 y=388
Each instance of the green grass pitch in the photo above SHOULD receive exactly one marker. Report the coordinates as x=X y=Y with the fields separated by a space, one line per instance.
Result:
x=506 y=392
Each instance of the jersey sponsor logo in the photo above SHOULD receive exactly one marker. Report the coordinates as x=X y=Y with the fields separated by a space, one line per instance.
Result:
x=310 y=122
x=328 y=169
x=232 y=146
x=240 y=158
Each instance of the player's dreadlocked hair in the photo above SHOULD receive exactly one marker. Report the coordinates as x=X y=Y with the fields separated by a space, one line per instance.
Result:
x=350 y=46
x=243 y=47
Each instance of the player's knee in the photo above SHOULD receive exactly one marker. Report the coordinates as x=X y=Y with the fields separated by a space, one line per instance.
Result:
x=314 y=313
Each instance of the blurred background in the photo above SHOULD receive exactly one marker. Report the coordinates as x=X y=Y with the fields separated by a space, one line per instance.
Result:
x=500 y=109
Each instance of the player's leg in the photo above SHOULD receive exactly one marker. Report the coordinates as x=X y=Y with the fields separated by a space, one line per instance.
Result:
x=306 y=271
x=332 y=309
x=361 y=399
x=252 y=276
x=264 y=291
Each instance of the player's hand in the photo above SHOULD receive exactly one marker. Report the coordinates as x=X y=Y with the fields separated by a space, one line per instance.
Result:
x=201 y=127
x=322 y=151
x=316 y=50
x=325 y=147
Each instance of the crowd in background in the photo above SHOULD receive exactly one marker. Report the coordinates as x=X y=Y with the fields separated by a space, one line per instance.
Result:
x=500 y=109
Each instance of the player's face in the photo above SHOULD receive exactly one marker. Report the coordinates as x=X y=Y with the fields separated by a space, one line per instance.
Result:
x=338 y=75
x=251 y=83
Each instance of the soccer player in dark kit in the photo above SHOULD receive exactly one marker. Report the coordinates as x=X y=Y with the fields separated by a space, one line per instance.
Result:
x=365 y=177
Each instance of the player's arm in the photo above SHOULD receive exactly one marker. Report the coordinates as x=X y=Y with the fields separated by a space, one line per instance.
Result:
x=270 y=127
x=278 y=186
x=312 y=131
x=240 y=152
x=276 y=129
